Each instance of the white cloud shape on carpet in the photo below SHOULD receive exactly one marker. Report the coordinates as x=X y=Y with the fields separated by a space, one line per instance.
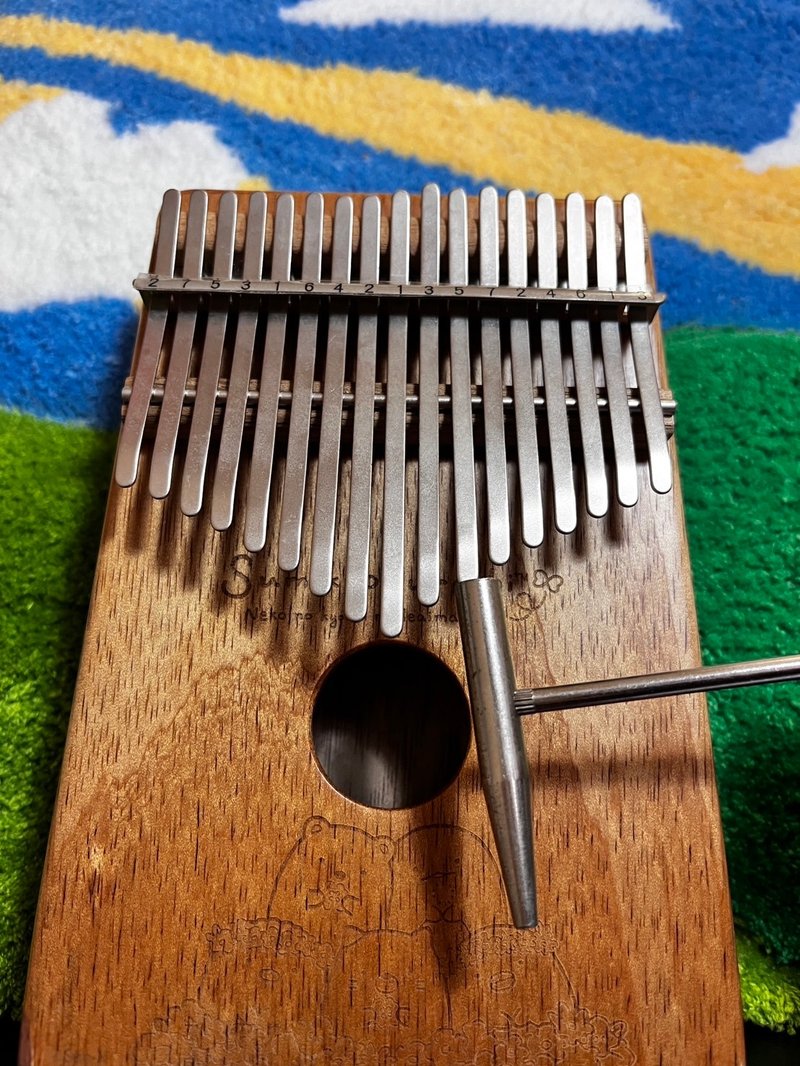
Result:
x=617 y=16
x=78 y=201
x=784 y=152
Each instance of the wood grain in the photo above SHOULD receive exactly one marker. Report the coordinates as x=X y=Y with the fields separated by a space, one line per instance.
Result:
x=210 y=898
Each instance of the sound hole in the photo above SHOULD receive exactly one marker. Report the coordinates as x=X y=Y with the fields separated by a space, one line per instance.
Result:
x=390 y=726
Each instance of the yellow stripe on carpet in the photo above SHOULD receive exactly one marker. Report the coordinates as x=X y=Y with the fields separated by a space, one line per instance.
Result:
x=696 y=192
x=17 y=94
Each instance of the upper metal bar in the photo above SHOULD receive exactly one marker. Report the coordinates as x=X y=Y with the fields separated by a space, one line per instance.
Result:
x=514 y=300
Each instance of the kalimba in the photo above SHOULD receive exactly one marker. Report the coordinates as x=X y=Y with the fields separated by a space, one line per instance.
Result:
x=270 y=842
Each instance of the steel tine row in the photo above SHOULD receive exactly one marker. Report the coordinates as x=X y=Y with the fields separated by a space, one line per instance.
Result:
x=469 y=368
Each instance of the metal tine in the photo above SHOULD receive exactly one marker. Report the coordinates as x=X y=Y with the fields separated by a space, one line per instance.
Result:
x=466 y=517
x=194 y=468
x=643 y=359
x=230 y=444
x=358 y=530
x=428 y=533
x=616 y=389
x=180 y=355
x=530 y=484
x=492 y=386
x=594 y=468
x=294 y=487
x=152 y=337
x=328 y=464
x=394 y=468
x=566 y=518
x=258 y=489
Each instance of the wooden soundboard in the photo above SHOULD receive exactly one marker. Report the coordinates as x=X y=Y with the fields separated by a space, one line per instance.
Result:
x=270 y=843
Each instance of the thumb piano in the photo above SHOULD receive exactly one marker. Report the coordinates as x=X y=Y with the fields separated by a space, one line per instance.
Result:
x=270 y=843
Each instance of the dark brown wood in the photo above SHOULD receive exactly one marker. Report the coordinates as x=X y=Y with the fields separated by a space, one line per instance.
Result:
x=210 y=898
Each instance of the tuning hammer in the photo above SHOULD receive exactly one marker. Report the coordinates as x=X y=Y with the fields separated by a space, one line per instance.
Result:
x=497 y=706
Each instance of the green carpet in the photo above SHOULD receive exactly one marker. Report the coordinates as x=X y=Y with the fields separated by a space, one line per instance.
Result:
x=770 y=993
x=739 y=462
x=53 y=484
x=739 y=474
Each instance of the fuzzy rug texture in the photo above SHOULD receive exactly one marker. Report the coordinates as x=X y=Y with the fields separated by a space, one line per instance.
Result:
x=695 y=106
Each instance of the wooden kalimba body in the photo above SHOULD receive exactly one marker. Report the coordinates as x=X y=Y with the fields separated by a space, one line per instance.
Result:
x=270 y=842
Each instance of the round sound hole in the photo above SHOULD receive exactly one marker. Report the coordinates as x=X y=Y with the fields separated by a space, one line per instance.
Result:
x=390 y=726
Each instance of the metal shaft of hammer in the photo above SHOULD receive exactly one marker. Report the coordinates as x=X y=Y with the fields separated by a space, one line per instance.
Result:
x=651 y=686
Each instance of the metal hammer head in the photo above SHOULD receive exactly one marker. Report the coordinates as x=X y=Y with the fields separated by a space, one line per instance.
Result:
x=501 y=754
